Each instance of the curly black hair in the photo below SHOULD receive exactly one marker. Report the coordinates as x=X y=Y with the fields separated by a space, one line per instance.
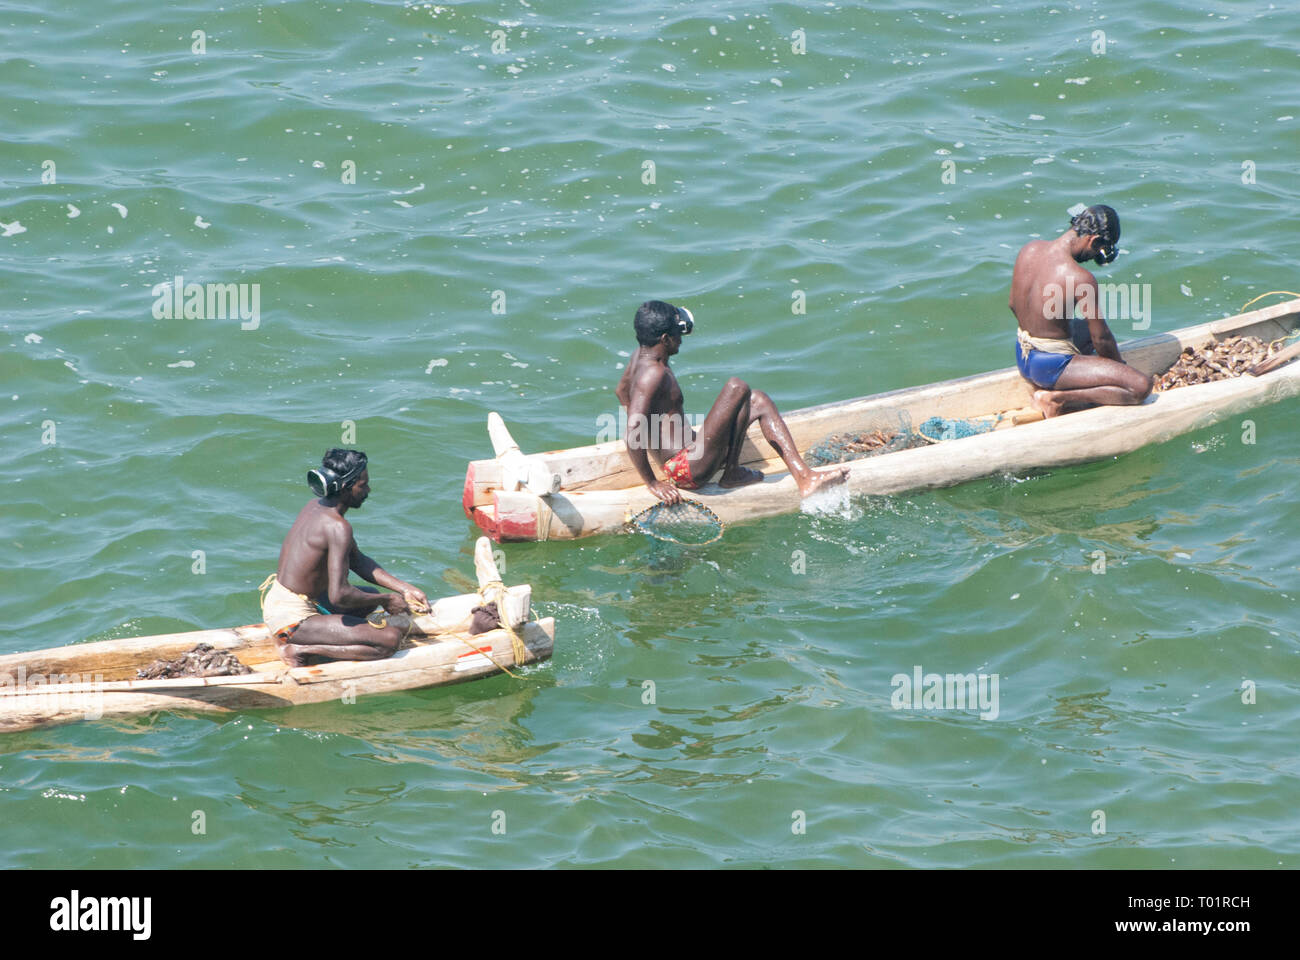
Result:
x=1103 y=221
x=344 y=462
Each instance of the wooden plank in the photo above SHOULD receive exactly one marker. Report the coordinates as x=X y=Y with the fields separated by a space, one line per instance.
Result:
x=133 y=686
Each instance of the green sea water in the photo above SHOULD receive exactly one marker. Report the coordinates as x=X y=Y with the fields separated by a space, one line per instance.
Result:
x=525 y=175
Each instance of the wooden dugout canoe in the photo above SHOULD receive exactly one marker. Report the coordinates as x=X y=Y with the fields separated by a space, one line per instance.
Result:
x=92 y=680
x=584 y=491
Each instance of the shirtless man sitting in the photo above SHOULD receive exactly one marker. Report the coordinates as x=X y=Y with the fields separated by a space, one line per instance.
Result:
x=1046 y=285
x=657 y=425
x=315 y=559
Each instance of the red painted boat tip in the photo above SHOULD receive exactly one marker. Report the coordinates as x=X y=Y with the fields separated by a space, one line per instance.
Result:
x=486 y=524
x=519 y=525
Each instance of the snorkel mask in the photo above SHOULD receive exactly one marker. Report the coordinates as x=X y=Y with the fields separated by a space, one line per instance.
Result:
x=326 y=483
x=685 y=321
x=1106 y=252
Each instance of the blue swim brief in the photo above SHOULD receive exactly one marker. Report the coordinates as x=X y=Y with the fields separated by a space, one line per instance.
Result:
x=1040 y=368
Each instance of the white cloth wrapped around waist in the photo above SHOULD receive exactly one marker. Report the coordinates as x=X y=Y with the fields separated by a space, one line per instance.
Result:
x=1045 y=344
x=282 y=608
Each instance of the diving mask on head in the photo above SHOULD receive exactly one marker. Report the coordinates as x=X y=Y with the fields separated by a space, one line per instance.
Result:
x=685 y=321
x=1106 y=252
x=326 y=483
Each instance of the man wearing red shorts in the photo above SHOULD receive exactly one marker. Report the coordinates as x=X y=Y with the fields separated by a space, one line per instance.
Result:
x=657 y=426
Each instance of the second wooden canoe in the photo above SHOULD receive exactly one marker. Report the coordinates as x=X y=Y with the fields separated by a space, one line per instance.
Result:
x=585 y=491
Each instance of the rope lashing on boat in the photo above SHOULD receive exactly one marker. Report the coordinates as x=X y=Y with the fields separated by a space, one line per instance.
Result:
x=518 y=648
x=517 y=645
x=494 y=591
x=544 y=514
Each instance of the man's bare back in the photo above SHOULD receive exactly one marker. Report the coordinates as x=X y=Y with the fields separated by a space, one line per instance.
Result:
x=305 y=550
x=1041 y=268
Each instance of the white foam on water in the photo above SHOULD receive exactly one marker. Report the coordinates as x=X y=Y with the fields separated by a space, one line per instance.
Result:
x=828 y=502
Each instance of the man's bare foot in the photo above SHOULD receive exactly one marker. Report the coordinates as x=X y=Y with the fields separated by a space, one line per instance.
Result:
x=817 y=479
x=1045 y=402
x=739 y=477
x=290 y=654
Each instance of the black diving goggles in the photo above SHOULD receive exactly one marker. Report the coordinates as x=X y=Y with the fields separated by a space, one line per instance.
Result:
x=326 y=483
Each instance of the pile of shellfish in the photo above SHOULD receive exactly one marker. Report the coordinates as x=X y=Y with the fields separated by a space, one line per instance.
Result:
x=1221 y=360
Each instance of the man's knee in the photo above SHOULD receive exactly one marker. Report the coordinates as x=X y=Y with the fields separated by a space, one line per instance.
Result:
x=760 y=402
x=387 y=639
x=1142 y=386
x=736 y=385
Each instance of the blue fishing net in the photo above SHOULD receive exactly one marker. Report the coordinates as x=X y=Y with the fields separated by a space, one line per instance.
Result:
x=942 y=428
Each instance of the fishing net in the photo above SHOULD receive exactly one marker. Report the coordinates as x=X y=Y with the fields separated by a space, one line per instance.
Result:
x=946 y=428
x=842 y=447
x=690 y=523
x=1222 y=360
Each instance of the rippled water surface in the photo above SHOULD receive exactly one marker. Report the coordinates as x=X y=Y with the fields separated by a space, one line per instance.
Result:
x=771 y=653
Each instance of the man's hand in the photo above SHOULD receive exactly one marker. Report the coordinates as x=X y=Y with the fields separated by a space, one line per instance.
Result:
x=415 y=599
x=665 y=491
x=394 y=603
